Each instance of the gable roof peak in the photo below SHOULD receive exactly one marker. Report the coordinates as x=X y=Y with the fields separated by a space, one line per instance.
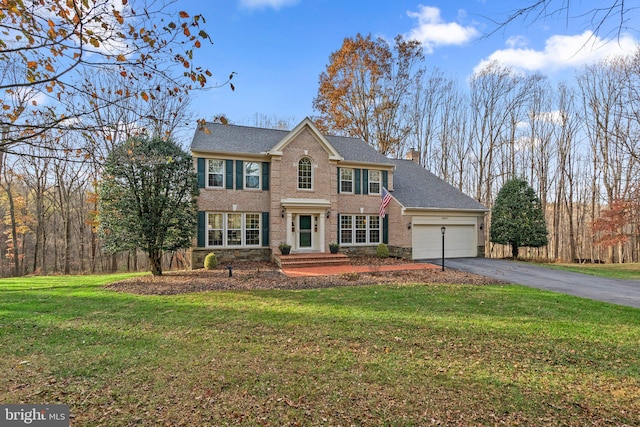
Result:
x=230 y=139
x=307 y=124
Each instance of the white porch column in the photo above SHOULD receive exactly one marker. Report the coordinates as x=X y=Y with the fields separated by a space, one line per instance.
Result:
x=290 y=234
x=321 y=240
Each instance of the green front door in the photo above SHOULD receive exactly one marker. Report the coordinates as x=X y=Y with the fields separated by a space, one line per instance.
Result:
x=305 y=231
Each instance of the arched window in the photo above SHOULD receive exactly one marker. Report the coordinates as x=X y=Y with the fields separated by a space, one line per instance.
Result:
x=304 y=174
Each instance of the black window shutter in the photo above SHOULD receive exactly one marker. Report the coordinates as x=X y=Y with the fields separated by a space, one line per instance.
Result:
x=365 y=181
x=202 y=228
x=228 y=169
x=385 y=179
x=201 y=171
x=356 y=173
x=265 y=176
x=385 y=229
x=239 y=175
x=339 y=225
x=265 y=229
x=338 y=180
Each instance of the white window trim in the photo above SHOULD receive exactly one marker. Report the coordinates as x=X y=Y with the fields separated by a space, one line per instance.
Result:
x=298 y=174
x=209 y=229
x=352 y=180
x=379 y=182
x=243 y=230
x=224 y=166
x=367 y=229
x=244 y=174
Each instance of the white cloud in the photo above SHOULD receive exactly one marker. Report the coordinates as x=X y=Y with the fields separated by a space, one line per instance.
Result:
x=560 y=52
x=98 y=19
x=553 y=117
x=39 y=98
x=432 y=31
x=524 y=143
x=262 y=4
x=517 y=41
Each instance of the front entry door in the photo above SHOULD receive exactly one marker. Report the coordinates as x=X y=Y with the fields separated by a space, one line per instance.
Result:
x=305 y=231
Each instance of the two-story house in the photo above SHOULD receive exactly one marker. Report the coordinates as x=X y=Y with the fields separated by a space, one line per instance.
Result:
x=262 y=187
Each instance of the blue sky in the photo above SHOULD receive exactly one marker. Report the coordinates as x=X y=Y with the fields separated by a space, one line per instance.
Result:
x=278 y=48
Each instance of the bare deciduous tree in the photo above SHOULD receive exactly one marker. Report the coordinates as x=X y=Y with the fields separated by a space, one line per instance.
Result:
x=612 y=17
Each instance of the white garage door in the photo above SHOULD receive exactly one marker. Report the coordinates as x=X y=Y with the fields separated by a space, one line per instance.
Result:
x=459 y=241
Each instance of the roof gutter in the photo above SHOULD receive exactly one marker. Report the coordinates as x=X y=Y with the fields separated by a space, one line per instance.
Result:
x=423 y=209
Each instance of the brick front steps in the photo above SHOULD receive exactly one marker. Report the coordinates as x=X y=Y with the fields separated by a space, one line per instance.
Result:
x=311 y=260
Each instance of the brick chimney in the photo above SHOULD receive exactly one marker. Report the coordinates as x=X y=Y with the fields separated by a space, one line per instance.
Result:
x=413 y=155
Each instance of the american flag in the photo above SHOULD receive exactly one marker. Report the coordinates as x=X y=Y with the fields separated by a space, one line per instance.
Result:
x=386 y=199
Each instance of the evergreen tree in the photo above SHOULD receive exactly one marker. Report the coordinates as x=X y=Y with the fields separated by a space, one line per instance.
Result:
x=148 y=198
x=517 y=218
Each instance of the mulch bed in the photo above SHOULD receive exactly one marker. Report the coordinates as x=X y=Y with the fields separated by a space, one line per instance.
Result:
x=253 y=276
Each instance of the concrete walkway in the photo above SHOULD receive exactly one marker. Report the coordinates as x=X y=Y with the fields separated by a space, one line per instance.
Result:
x=342 y=269
x=616 y=291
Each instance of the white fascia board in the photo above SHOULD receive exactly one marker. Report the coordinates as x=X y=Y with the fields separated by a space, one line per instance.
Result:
x=305 y=203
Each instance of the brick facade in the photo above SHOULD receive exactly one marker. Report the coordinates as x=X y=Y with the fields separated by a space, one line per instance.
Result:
x=308 y=219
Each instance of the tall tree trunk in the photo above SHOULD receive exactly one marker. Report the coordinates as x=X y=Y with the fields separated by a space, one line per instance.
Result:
x=14 y=232
x=44 y=249
x=155 y=261
x=557 y=212
x=81 y=249
x=67 y=239
x=113 y=265
x=93 y=244
x=36 y=247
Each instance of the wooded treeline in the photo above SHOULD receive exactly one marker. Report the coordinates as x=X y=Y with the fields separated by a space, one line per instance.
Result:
x=576 y=142
x=49 y=203
x=78 y=77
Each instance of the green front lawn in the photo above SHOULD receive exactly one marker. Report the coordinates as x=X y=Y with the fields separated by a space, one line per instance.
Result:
x=394 y=355
x=617 y=271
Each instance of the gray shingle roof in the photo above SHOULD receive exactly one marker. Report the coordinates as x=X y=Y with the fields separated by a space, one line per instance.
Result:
x=251 y=140
x=357 y=150
x=236 y=139
x=416 y=187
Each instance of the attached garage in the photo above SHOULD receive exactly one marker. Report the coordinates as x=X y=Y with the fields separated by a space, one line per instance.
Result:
x=427 y=204
x=460 y=241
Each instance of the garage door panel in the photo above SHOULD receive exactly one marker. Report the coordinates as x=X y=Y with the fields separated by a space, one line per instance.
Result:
x=460 y=241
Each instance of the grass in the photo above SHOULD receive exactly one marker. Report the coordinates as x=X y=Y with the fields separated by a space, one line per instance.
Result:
x=617 y=271
x=374 y=355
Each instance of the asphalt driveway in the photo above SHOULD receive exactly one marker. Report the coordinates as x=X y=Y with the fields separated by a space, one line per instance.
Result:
x=617 y=291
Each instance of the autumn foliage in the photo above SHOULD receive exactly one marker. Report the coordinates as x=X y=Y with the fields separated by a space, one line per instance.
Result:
x=51 y=49
x=362 y=91
x=618 y=223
